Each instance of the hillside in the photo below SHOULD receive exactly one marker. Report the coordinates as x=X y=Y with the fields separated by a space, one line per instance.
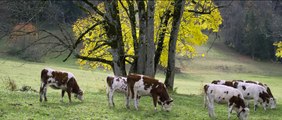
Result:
x=221 y=58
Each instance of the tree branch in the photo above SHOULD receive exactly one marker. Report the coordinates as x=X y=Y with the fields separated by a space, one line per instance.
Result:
x=208 y=11
x=79 y=39
x=94 y=8
x=95 y=59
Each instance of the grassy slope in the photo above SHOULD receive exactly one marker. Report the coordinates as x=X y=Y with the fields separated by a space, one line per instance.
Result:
x=219 y=63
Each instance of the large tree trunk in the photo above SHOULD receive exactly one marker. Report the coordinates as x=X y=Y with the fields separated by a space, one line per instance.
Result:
x=114 y=33
x=177 y=15
x=150 y=46
x=142 y=38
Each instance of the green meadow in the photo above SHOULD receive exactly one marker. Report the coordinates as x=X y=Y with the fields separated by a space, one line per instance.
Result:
x=219 y=63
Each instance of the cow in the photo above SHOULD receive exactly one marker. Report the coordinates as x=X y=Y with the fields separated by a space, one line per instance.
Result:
x=256 y=92
x=116 y=83
x=141 y=85
x=59 y=80
x=250 y=91
x=225 y=94
x=267 y=90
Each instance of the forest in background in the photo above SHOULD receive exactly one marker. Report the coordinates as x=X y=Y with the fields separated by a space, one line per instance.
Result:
x=251 y=27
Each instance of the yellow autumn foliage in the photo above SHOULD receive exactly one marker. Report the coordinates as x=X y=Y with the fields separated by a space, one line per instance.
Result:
x=190 y=32
x=279 y=49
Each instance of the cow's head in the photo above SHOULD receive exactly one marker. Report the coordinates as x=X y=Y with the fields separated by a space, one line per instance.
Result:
x=79 y=95
x=272 y=103
x=243 y=113
x=166 y=105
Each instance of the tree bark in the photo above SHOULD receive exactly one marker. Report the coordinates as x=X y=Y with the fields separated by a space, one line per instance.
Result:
x=163 y=26
x=177 y=15
x=114 y=33
x=142 y=37
x=150 y=45
x=132 y=18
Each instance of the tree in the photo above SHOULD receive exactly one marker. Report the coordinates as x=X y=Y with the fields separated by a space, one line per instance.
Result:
x=177 y=15
x=138 y=33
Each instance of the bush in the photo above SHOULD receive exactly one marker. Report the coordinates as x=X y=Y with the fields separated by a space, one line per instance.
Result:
x=10 y=84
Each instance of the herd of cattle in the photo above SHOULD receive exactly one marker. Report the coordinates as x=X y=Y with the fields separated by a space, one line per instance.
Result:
x=235 y=93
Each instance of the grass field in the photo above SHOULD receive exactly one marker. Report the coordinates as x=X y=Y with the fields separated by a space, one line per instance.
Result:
x=219 y=63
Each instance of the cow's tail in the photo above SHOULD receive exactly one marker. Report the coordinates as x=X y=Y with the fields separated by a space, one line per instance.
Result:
x=205 y=96
x=42 y=74
x=109 y=85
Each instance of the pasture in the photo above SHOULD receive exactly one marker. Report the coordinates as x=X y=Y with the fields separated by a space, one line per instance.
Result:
x=219 y=63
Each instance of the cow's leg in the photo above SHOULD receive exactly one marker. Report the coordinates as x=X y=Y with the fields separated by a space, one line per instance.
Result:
x=155 y=100
x=211 y=107
x=230 y=107
x=255 y=104
x=111 y=98
x=138 y=99
x=127 y=99
x=205 y=100
x=69 y=94
x=43 y=91
x=135 y=100
x=129 y=94
x=264 y=105
x=247 y=103
x=63 y=93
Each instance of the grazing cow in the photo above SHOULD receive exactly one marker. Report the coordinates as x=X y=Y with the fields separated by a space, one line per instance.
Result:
x=59 y=80
x=267 y=90
x=119 y=84
x=250 y=91
x=116 y=84
x=256 y=92
x=225 y=94
x=140 y=85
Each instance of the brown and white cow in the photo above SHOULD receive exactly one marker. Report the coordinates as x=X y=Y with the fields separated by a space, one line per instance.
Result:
x=267 y=90
x=256 y=92
x=116 y=83
x=250 y=91
x=225 y=94
x=140 y=85
x=59 y=80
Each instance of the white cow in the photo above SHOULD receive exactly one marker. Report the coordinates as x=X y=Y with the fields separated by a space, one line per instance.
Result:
x=272 y=99
x=115 y=83
x=256 y=92
x=224 y=94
